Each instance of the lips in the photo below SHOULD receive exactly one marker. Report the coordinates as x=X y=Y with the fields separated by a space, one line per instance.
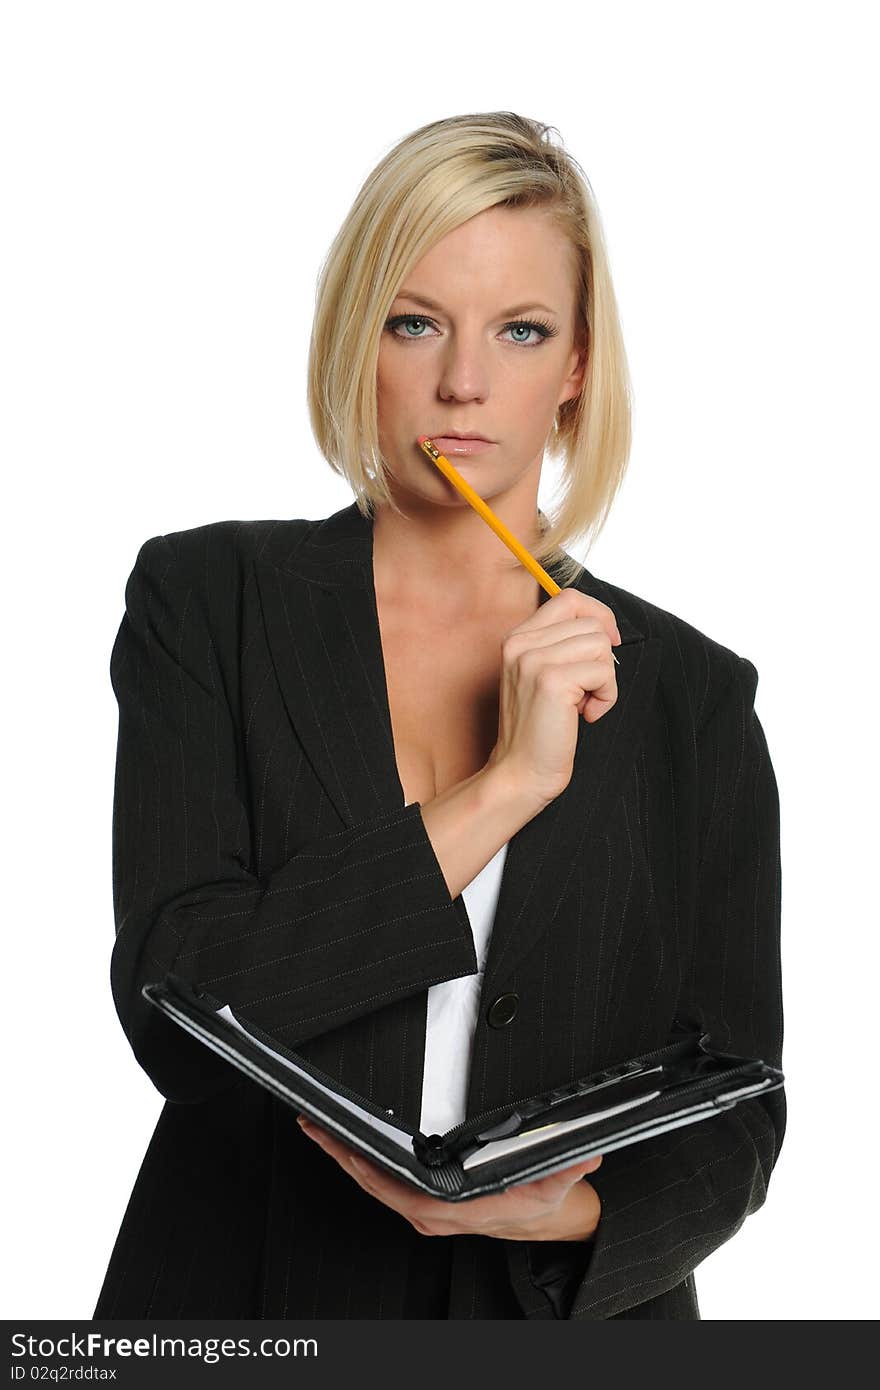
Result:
x=452 y=444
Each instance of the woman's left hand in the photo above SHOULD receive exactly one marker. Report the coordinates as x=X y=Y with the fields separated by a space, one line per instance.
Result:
x=558 y=1207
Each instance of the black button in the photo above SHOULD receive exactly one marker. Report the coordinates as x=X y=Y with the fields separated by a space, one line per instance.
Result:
x=502 y=1011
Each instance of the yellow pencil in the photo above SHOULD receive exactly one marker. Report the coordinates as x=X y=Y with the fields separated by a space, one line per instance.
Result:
x=486 y=512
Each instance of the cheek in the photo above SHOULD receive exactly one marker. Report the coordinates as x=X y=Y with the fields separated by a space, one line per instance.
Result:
x=530 y=404
x=395 y=371
x=402 y=407
x=388 y=398
x=543 y=391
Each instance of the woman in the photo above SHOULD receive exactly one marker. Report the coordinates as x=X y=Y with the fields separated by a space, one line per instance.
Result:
x=402 y=810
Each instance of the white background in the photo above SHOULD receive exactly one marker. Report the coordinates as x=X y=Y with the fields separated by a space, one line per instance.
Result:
x=173 y=174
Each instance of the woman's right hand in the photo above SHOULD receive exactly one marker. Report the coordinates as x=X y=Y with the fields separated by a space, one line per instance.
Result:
x=556 y=666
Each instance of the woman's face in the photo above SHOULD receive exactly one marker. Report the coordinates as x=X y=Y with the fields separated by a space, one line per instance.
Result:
x=462 y=362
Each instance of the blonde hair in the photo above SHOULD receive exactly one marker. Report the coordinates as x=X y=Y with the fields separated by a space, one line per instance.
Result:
x=432 y=181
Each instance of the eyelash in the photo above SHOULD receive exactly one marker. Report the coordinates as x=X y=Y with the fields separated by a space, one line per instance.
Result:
x=545 y=329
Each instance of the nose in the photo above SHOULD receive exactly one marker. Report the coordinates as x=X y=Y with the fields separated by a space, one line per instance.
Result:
x=465 y=371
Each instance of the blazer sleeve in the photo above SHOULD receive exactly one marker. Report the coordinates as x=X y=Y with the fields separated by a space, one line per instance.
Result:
x=668 y=1202
x=352 y=922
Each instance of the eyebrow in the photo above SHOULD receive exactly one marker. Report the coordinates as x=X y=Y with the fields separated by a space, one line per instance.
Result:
x=429 y=304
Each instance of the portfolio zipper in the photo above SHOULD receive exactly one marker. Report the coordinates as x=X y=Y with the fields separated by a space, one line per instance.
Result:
x=448 y=1171
x=437 y=1149
x=454 y=1173
x=747 y=1067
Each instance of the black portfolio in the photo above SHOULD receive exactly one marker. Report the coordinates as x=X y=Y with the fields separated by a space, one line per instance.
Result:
x=686 y=1081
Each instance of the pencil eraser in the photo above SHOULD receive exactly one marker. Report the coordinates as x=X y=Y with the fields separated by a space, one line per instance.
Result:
x=421 y=439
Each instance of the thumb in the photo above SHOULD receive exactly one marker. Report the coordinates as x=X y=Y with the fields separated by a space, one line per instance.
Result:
x=586 y=1165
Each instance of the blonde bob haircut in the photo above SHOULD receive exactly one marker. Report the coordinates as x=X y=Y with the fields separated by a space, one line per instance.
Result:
x=431 y=182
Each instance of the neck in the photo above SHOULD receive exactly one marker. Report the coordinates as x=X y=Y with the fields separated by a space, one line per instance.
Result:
x=448 y=558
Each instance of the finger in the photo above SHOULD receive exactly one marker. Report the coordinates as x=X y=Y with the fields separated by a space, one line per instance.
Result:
x=567 y=604
x=566 y=642
x=578 y=1170
x=561 y=644
x=530 y=639
x=582 y=681
x=588 y=1165
x=549 y=1187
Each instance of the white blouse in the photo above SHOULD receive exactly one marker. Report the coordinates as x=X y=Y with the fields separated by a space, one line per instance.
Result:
x=453 y=1007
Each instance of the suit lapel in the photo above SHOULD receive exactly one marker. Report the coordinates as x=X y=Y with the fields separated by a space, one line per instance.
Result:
x=318 y=598
x=322 y=626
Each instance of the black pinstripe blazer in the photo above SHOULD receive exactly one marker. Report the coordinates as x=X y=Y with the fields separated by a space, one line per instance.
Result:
x=262 y=849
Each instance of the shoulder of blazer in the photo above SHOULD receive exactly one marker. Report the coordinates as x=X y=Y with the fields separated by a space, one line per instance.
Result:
x=235 y=541
x=214 y=561
x=204 y=571
x=696 y=670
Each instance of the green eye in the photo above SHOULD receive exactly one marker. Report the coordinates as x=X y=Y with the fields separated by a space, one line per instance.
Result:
x=408 y=319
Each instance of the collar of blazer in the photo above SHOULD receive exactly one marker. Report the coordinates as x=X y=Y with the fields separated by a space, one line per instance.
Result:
x=318 y=597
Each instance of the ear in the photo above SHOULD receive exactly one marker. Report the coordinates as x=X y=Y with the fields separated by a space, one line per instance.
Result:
x=573 y=383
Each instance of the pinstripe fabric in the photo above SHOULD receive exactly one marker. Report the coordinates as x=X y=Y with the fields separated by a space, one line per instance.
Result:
x=262 y=849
